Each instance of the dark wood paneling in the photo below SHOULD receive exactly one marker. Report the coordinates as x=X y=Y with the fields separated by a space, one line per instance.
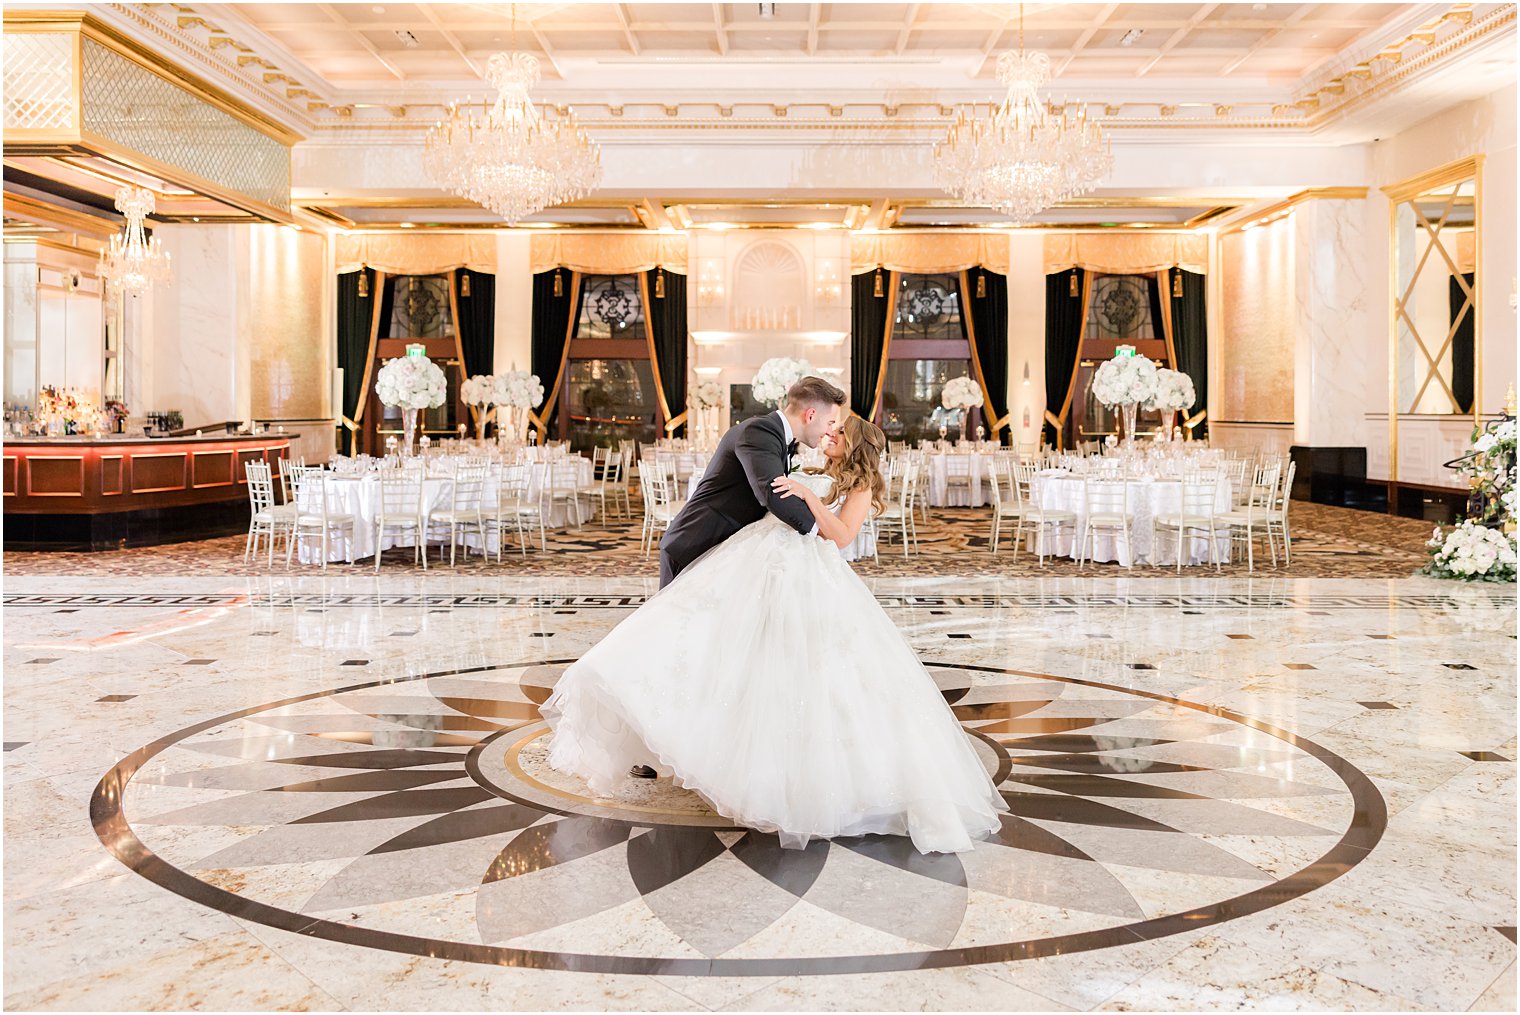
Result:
x=9 y=472
x=55 y=476
x=211 y=468
x=156 y=471
x=113 y=475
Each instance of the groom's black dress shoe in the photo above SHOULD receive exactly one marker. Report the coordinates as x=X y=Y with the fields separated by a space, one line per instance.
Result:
x=643 y=772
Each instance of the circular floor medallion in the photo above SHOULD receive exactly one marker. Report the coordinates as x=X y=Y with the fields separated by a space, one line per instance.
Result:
x=366 y=812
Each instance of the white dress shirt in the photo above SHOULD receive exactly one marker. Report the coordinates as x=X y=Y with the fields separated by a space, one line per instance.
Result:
x=786 y=430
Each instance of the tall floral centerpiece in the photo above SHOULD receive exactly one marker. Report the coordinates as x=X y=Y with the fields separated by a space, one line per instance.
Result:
x=961 y=394
x=1174 y=393
x=776 y=376
x=1482 y=546
x=707 y=401
x=1125 y=381
x=515 y=392
x=411 y=383
x=476 y=393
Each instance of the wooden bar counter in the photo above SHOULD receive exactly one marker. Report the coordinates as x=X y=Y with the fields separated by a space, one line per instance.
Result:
x=108 y=492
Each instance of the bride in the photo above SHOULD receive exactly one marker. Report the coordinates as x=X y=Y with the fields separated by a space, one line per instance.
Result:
x=767 y=679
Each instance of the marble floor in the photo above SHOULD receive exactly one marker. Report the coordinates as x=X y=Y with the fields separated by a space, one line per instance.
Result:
x=331 y=793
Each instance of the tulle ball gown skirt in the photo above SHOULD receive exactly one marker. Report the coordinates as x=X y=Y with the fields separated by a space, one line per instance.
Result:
x=767 y=679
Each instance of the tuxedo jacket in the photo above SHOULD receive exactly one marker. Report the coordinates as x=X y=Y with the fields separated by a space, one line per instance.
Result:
x=735 y=490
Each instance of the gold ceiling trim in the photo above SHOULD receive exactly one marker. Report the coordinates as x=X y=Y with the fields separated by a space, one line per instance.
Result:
x=1441 y=176
x=31 y=209
x=1287 y=203
x=97 y=145
x=88 y=26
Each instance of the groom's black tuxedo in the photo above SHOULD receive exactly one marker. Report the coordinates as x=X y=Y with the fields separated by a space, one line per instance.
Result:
x=735 y=490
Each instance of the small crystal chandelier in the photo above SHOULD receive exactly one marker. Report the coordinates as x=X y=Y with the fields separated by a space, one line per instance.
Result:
x=1021 y=160
x=514 y=161
x=132 y=263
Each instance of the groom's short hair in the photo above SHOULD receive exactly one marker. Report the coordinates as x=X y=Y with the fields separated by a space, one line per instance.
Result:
x=813 y=392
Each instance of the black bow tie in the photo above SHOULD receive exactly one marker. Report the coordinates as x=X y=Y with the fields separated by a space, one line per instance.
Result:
x=791 y=449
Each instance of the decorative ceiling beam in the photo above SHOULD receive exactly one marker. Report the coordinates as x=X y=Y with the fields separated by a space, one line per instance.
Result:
x=451 y=39
x=548 y=51
x=812 y=40
x=1176 y=37
x=907 y=28
x=1257 y=46
x=361 y=40
x=1087 y=34
x=633 y=40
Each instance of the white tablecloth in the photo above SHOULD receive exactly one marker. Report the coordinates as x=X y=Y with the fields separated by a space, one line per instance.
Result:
x=1147 y=499
x=941 y=494
x=360 y=496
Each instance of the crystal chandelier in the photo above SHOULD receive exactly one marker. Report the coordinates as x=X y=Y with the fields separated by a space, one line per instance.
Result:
x=132 y=263
x=1021 y=160
x=514 y=161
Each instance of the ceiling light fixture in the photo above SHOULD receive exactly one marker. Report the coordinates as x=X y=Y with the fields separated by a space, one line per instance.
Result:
x=515 y=160
x=1020 y=159
x=132 y=262
x=1129 y=37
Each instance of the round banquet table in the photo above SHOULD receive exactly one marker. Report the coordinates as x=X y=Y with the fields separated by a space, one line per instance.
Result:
x=360 y=496
x=941 y=494
x=863 y=546
x=1147 y=498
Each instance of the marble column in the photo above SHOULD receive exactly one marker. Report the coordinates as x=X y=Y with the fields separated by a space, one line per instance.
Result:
x=1337 y=337
x=1026 y=335
x=514 y=301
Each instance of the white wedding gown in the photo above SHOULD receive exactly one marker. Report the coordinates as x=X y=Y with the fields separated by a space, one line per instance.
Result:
x=767 y=679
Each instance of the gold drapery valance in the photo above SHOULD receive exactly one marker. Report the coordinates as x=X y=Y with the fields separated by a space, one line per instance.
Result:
x=610 y=253
x=1126 y=253
x=928 y=253
x=422 y=254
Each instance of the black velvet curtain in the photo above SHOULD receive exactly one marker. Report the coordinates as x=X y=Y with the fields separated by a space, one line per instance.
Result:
x=354 y=316
x=1462 y=344
x=1190 y=340
x=989 y=319
x=868 y=338
x=667 y=326
x=552 y=314
x=477 y=321
x=1153 y=291
x=1063 y=340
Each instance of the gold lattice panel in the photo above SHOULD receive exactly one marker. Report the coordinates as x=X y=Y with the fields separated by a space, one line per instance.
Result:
x=134 y=107
x=39 y=80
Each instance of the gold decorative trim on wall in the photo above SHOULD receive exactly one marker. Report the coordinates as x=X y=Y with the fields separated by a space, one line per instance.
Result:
x=1288 y=203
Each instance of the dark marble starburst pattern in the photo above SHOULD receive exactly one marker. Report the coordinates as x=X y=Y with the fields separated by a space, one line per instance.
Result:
x=419 y=815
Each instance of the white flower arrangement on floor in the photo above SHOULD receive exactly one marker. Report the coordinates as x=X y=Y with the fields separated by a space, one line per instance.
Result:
x=518 y=389
x=1472 y=552
x=775 y=376
x=707 y=395
x=1124 y=379
x=1174 y=391
x=411 y=382
x=961 y=393
x=477 y=390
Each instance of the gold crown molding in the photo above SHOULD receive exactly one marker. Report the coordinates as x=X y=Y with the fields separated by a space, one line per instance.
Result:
x=83 y=24
x=24 y=206
x=201 y=50
x=1287 y=203
x=1441 y=176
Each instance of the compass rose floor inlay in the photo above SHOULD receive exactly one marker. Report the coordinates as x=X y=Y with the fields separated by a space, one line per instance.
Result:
x=335 y=794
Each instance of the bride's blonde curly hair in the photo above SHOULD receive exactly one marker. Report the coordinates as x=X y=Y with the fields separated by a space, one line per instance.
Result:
x=860 y=466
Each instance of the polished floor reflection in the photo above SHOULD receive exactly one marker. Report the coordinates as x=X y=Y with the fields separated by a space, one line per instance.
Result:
x=331 y=793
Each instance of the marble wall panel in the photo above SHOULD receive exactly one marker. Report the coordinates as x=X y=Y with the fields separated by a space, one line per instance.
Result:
x=282 y=311
x=1257 y=348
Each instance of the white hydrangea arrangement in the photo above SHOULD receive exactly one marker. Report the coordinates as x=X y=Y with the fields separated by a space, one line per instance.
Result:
x=707 y=395
x=961 y=393
x=1174 y=391
x=517 y=388
x=1473 y=552
x=776 y=376
x=1124 y=379
x=477 y=390
x=411 y=382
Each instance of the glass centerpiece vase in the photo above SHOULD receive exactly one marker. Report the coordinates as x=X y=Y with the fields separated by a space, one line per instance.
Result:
x=409 y=431
x=1128 y=411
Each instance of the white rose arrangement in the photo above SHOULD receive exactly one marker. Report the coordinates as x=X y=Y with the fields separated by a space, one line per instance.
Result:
x=1174 y=391
x=961 y=393
x=1124 y=379
x=776 y=376
x=707 y=395
x=1472 y=552
x=411 y=382
x=517 y=388
x=477 y=390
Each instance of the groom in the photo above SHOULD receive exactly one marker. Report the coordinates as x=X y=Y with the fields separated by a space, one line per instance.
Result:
x=735 y=488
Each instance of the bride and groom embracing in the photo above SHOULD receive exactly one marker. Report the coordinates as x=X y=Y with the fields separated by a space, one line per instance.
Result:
x=764 y=676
